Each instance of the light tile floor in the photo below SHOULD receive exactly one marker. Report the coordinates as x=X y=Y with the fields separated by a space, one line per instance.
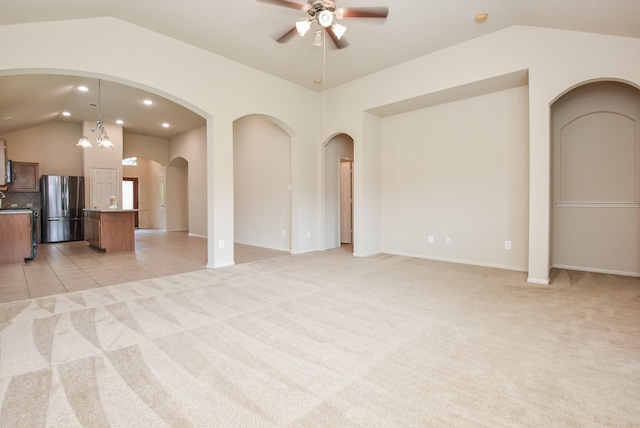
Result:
x=73 y=266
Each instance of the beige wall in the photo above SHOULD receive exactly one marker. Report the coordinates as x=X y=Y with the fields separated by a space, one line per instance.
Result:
x=458 y=170
x=177 y=195
x=192 y=147
x=145 y=146
x=145 y=171
x=339 y=147
x=51 y=145
x=554 y=62
x=262 y=174
x=220 y=90
x=153 y=155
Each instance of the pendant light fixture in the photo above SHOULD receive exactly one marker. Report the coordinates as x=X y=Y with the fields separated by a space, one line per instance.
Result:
x=101 y=134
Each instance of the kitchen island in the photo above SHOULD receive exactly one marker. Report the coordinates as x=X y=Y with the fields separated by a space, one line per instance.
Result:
x=16 y=235
x=110 y=230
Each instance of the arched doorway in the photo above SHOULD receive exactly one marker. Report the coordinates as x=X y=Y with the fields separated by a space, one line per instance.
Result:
x=339 y=192
x=145 y=171
x=177 y=195
x=596 y=179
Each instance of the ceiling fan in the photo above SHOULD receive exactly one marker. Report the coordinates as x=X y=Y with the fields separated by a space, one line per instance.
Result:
x=324 y=14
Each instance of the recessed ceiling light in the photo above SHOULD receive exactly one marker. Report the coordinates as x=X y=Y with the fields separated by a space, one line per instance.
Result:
x=148 y=102
x=481 y=17
x=83 y=88
x=317 y=80
x=165 y=125
x=66 y=113
x=119 y=121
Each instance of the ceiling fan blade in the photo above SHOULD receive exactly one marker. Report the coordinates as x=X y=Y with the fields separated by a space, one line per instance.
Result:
x=287 y=36
x=284 y=3
x=365 y=12
x=340 y=43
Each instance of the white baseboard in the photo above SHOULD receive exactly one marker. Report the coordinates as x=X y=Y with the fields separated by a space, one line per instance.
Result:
x=195 y=235
x=596 y=270
x=220 y=265
x=461 y=261
x=538 y=281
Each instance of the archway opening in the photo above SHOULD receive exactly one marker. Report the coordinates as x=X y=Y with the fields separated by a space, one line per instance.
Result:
x=339 y=192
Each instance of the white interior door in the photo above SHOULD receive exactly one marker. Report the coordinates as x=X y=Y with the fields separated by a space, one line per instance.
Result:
x=104 y=185
x=346 y=201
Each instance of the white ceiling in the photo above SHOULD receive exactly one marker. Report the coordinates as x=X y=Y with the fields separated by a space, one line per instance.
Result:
x=244 y=31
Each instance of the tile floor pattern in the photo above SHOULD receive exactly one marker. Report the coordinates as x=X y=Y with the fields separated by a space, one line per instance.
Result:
x=72 y=266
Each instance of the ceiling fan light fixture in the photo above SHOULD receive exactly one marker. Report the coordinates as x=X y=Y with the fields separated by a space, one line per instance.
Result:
x=339 y=13
x=317 y=38
x=325 y=18
x=303 y=27
x=338 y=30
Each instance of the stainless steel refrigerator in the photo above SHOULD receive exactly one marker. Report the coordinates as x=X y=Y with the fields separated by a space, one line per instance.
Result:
x=62 y=200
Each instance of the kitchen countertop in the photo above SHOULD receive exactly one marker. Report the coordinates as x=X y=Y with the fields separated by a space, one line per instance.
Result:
x=10 y=210
x=110 y=211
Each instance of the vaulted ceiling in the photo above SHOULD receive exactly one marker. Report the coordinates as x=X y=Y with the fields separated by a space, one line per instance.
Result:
x=245 y=31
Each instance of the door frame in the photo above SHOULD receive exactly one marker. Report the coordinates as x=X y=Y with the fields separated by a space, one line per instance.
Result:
x=136 y=201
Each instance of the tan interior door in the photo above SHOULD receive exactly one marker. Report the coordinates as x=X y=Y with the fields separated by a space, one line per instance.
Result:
x=346 y=201
x=160 y=202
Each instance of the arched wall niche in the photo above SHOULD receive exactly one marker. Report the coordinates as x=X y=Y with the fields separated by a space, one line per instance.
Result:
x=595 y=176
x=262 y=177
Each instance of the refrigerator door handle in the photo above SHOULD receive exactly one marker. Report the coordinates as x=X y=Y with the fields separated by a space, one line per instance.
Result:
x=65 y=193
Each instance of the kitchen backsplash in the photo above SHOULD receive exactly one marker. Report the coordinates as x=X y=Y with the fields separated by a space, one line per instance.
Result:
x=22 y=200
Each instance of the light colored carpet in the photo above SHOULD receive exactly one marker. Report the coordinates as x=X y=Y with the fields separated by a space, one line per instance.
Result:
x=327 y=339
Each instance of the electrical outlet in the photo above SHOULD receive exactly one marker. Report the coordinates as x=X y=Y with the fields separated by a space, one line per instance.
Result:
x=308 y=234
x=448 y=240
x=430 y=239
x=507 y=245
x=221 y=244
x=284 y=232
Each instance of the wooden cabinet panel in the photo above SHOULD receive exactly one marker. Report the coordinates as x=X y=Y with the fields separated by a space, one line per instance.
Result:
x=15 y=237
x=110 y=230
x=92 y=229
x=3 y=162
x=27 y=177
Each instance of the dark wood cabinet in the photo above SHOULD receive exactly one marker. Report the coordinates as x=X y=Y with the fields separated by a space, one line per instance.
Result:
x=26 y=177
x=110 y=230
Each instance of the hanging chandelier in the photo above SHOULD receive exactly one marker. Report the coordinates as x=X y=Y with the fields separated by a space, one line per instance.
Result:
x=101 y=134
